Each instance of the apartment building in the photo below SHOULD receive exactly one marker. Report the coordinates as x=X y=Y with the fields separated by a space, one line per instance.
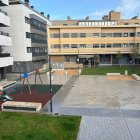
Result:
x=29 y=35
x=80 y=40
x=5 y=40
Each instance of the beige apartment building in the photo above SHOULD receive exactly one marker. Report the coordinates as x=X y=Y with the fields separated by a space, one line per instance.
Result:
x=80 y=40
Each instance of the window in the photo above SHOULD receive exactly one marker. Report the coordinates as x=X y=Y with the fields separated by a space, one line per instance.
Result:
x=132 y=34
x=65 y=24
x=109 y=35
x=96 y=34
x=65 y=35
x=74 y=35
x=117 y=34
x=65 y=45
x=28 y=35
x=108 y=45
x=132 y=44
x=39 y=25
x=125 y=34
x=73 y=45
x=56 y=46
x=137 y=45
x=95 y=45
x=125 y=45
x=82 y=34
x=29 y=49
x=126 y=23
x=82 y=46
x=27 y=20
x=103 y=34
x=116 y=45
x=102 y=45
x=38 y=51
x=138 y=34
x=55 y=35
x=67 y=58
x=37 y=38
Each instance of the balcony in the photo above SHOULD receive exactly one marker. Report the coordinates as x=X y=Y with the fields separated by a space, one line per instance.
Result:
x=5 y=61
x=4 y=19
x=5 y=39
x=4 y=2
x=4 y=54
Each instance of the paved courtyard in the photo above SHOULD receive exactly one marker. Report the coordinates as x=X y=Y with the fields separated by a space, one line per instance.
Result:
x=110 y=109
x=98 y=92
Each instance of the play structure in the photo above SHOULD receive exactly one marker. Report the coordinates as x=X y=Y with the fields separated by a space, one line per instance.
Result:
x=25 y=76
x=3 y=86
x=39 y=72
x=42 y=71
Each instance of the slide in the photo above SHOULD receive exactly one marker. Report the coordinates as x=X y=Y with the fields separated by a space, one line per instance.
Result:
x=8 y=98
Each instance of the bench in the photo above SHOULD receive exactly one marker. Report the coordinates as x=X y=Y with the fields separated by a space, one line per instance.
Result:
x=113 y=74
x=21 y=106
x=136 y=77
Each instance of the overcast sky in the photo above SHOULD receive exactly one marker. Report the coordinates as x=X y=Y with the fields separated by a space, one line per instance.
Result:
x=79 y=9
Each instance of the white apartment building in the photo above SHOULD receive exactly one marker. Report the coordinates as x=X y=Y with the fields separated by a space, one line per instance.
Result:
x=5 y=40
x=29 y=36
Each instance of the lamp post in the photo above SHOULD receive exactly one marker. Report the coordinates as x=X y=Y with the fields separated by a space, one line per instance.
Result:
x=78 y=60
x=50 y=71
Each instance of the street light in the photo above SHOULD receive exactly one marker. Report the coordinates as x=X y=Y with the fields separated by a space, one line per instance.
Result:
x=78 y=60
x=50 y=71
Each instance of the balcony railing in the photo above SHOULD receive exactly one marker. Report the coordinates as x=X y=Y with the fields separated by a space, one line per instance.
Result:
x=4 y=19
x=4 y=2
x=4 y=54
x=39 y=54
x=6 y=61
x=3 y=33
x=34 y=40
x=38 y=28
x=5 y=13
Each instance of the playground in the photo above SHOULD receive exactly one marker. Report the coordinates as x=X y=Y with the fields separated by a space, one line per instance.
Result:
x=32 y=88
x=39 y=93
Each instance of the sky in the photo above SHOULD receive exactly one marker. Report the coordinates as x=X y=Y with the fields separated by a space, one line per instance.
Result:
x=80 y=9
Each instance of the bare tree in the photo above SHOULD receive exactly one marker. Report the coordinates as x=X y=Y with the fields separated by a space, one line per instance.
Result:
x=119 y=56
x=95 y=59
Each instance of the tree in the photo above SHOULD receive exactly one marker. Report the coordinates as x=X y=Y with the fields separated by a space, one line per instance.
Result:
x=95 y=59
x=119 y=56
x=134 y=54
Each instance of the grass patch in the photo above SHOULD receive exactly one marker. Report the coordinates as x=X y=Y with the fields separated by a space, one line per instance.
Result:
x=110 y=69
x=23 y=126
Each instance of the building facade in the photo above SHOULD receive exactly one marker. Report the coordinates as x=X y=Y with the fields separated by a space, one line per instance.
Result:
x=5 y=40
x=80 y=40
x=29 y=35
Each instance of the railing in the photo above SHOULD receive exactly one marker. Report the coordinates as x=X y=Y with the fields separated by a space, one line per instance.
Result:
x=4 y=54
x=5 y=13
x=39 y=54
x=3 y=33
x=38 y=28
x=34 y=40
